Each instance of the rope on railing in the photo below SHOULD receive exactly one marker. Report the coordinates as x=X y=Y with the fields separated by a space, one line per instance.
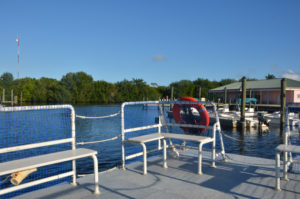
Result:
x=99 y=141
x=3 y=181
x=98 y=117
x=230 y=137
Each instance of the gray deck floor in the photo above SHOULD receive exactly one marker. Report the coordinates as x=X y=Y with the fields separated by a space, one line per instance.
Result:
x=239 y=177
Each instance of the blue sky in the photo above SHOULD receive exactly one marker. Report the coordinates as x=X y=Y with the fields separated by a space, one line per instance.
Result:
x=159 y=41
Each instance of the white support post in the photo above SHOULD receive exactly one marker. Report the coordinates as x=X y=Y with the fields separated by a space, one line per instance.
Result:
x=74 y=183
x=145 y=158
x=277 y=166
x=123 y=135
x=218 y=128
x=200 y=159
x=159 y=132
x=285 y=166
x=165 y=154
x=97 y=191
x=213 y=153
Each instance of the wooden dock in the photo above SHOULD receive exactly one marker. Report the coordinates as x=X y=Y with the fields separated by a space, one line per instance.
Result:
x=239 y=177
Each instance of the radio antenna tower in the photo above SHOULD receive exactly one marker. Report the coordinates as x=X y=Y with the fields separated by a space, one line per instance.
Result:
x=18 y=42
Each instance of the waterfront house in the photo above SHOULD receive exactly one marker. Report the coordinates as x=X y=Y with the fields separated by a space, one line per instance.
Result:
x=265 y=91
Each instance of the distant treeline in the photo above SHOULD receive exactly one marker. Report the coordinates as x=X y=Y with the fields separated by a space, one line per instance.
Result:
x=80 y=87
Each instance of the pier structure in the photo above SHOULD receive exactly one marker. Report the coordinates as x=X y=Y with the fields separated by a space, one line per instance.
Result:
x=239 y=177
x=13 y=99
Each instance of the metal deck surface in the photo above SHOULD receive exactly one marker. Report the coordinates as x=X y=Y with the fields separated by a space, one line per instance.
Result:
x=239 y=177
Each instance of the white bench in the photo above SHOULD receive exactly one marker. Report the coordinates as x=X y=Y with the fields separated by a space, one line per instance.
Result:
x=157 y=135
x=285 y=149
x=44 y=160
x=201 y=140
x=141 y=140
x=51 y=158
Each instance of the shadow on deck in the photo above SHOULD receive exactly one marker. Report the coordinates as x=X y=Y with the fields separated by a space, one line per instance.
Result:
x=240 y=177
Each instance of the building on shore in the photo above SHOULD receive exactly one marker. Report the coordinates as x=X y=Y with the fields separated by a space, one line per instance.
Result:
x=264 y=91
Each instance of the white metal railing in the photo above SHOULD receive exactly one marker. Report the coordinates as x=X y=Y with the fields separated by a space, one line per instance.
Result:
x=287 y=129
x=161 y=123
x=71 y=140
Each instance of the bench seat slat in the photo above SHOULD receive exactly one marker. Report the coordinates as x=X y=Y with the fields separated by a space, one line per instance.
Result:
x=157 y=136
x=195 y=138
x=288 y=148
x=145 y=138
x=44 y=160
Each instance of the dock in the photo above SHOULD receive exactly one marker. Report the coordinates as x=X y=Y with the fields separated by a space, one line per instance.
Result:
x=238 y=177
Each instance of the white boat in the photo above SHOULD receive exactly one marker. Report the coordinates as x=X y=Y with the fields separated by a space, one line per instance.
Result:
x=230 y=118
x=274 y=119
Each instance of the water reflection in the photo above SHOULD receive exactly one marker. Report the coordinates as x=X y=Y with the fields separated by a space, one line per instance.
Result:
x=255 y=142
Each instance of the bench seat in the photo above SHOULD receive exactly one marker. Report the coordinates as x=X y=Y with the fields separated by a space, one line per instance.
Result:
x=288 y=148
x=145 y=138
x=48 y=159
x=44 y=160
x=285 y=149
x=201 y=140
x=141 y=140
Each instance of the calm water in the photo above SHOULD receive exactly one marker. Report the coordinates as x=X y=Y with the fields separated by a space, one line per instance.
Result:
x=251 y=142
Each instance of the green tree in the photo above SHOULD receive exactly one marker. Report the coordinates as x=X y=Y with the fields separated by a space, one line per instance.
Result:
x=183 y=88
x=52 y=91
x=270 y=76
x=80 y=86
x=103 y=92
x=205 y=85
x=164 y=91
x=28 y=86
x=226 y=81
x=7 y=80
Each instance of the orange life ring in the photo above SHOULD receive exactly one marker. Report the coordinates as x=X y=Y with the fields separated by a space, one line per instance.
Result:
x=188 y=117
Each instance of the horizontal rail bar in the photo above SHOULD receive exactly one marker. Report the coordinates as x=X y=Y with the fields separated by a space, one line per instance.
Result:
x=28 y=108
x=142 y=128
x=140 y=103
x=139 y=154
x=36 y=145
x=29 y=184
x=168 y=124
x=166 y=102
x=186 y=102
x=190 y=125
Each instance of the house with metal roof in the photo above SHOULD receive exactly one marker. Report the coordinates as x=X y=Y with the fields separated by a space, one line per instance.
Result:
x=265 y=91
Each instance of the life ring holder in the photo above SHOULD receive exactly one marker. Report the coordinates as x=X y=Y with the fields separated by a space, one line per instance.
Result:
x=204 y=117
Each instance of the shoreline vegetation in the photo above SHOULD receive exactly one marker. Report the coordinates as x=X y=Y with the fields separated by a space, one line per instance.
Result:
x=80 y=88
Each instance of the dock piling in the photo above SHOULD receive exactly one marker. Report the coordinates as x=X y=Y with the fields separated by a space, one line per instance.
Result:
x=243 y=103
x=282 y=103
x=225 y=95
x=199 y=93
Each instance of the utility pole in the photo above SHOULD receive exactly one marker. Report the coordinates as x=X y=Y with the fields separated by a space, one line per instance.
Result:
x=18 y=55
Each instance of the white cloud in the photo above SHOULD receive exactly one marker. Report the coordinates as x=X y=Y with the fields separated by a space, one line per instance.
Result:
x=285 y=73
x=291 y=75
x=159 y=58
